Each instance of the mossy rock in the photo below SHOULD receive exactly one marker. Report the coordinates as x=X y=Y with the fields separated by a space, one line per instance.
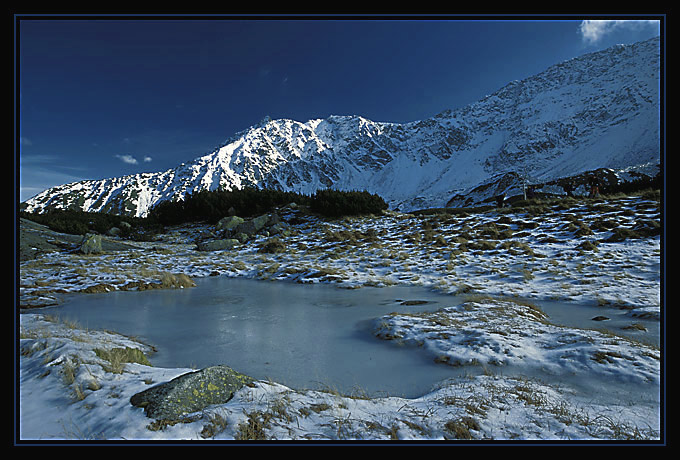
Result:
x=218 y=245
x=190 y=392
x=229 y=223
x=92 y=244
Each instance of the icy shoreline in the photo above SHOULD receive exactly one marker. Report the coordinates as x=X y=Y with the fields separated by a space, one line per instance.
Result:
x=503 y=253
x=68 y=394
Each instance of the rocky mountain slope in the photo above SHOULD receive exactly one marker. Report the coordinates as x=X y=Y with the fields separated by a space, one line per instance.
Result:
x=595 y=112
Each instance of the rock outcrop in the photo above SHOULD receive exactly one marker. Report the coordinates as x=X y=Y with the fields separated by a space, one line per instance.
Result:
x=92 y=244
x=235 y=230
x=190 y=392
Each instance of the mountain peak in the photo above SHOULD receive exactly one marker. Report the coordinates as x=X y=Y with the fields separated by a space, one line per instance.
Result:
x=599 y=110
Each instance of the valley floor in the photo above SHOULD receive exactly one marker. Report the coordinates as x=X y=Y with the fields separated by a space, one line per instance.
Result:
x=602 y=252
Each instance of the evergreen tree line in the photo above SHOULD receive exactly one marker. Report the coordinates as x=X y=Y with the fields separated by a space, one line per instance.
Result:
x=210 y=207
x=334 y=203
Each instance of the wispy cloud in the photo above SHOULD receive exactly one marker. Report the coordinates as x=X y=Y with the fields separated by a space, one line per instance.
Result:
x=593 y=30
x=129 y=159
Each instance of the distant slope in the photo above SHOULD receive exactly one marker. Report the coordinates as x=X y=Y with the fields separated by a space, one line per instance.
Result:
x=600 y=110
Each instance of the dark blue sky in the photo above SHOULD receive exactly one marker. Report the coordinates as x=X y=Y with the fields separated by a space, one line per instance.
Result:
x=110 y=97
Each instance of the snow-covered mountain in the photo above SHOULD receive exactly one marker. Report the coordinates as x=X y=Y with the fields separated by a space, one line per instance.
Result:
x=600 y=110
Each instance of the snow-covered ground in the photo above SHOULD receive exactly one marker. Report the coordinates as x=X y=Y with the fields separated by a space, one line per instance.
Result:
x=545 y=381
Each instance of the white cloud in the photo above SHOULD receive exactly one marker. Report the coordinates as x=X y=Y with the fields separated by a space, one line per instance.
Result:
x=129 y=159
x=592 y=30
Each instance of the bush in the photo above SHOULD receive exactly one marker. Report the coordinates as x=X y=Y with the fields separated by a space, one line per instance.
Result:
x=336 y=203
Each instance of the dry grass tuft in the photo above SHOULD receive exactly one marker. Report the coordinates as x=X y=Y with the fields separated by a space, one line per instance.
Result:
x=118 y=357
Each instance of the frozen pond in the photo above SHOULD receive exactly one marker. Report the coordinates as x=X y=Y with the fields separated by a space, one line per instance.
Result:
x=304 y=336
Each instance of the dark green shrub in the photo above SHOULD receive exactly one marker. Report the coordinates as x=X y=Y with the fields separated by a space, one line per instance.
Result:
x=72 y=227
x=337 y=203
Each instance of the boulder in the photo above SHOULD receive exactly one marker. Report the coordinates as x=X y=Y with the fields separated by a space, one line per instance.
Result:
x=242 y=237
x=280 y=228
x=273 y=219
x=218 y=245
x=247 y=228
x=252 y=226
x=260 y=222
x=91 y=244
x=190 y=392
x=229 y=222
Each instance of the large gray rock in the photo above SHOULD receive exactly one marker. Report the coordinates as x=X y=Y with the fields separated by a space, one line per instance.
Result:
x=91 y=244
x=190 y=392
x=252 y=226
x=273 y=219
x=281 y=228
x=218 y=245
x=242 y=237
x=260 y=222
x=229 y=222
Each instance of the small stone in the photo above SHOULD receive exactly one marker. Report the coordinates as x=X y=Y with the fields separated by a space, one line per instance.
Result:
x=600 y=318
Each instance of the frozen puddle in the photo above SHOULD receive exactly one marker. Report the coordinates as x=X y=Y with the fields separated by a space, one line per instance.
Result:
x=312 y=336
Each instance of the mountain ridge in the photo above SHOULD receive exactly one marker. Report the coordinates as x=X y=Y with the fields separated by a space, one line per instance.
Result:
x=599 y=110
